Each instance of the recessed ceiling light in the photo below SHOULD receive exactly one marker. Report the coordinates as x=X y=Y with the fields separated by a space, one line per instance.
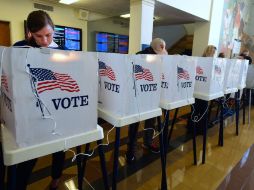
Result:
x=68 y=2
x=126 y=15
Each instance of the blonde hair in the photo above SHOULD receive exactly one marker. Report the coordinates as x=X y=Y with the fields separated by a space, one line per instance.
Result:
x=159 y=46
x=209 y=51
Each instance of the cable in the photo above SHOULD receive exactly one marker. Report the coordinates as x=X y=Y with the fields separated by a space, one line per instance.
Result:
x=33 y=82
x=138 y=106
x=84 y=154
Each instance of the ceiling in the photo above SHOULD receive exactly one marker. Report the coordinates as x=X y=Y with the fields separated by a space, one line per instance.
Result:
x=166 y=15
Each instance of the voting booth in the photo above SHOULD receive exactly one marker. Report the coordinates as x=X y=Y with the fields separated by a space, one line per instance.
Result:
x=209 y=78
x=250 y=77
x=129 y=86
x=232 y=74
x=48 y=94
x=178 y=80
x=243 y=73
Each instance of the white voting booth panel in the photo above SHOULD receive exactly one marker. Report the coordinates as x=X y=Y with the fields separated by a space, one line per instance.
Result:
x=250 y=77
x=243 y=73
x=14 y=154
x=231 y=76
x=209 y=78
x=178 y=79
x=49 y=94
x=129 y=87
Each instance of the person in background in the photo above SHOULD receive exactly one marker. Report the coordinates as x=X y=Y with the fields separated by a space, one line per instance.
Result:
x=41 y=29
x=245 y=55
x=157 y=46
x=200 y=105
x=209 y=51
x=221 y=55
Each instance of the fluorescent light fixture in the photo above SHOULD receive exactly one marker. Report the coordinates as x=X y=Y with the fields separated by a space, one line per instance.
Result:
x=68 y=2
x=126 y=15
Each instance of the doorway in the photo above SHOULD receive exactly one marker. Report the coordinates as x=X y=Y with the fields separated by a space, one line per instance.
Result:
x=5 y=39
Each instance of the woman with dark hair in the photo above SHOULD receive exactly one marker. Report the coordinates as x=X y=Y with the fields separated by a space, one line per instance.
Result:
x=41 y=30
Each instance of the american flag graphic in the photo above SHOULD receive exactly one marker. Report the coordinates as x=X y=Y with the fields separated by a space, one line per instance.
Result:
x=217 y=69
x=199 y=70
x=142 y=73
x=107 y=71
x=182 y=74
x=4 y=82
x=49 y=80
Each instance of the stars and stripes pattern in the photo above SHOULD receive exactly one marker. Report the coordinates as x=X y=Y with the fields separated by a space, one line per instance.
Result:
x=49 y=80
x=199 y=70
x=4 y=82
x=217 y=69
x=182 y=74
x=142 y=73
x=106 y=71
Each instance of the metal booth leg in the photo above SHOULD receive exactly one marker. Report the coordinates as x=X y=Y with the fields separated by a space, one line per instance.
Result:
x=103 y=165
x=116 y=155
x=162 y=154
x=205 y=135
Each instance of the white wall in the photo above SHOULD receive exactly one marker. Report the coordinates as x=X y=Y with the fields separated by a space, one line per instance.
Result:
x=16 y=11
x=200 y=8
x=110 y=25
x=171 y=34
x=208 y=33
x=249 y=29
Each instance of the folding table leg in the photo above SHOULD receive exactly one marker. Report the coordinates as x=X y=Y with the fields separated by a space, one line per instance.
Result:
x=172 y=125
x=194 y=142
x=85 y=160
x=11 y=177
x=237 y=101
x=116 y=155
x=165 y=134
x=79 y=167
x=103 y=165
x=205 y=135
x=244 y=103
x=162 y=154
x=249 y=107
x=220 y=143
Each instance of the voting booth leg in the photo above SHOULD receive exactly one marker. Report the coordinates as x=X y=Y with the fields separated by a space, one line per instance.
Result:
x=81 y=164
x=210 y=110
x=244 y=103
x=163 y=158
x=220 y=142
x=103 y=165
x=249 y=106
x=11 y=175
x=237 y=102
x=194 y=142
x=165 y=134
x=205 y=134
x=172 y=125
x=79 y=167
x=85 y=159
x=116 y=155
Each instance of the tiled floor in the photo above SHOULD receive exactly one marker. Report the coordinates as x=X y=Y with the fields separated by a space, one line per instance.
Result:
x=181 y=173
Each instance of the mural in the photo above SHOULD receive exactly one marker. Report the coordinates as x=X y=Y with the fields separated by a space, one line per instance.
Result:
x=236 y=18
